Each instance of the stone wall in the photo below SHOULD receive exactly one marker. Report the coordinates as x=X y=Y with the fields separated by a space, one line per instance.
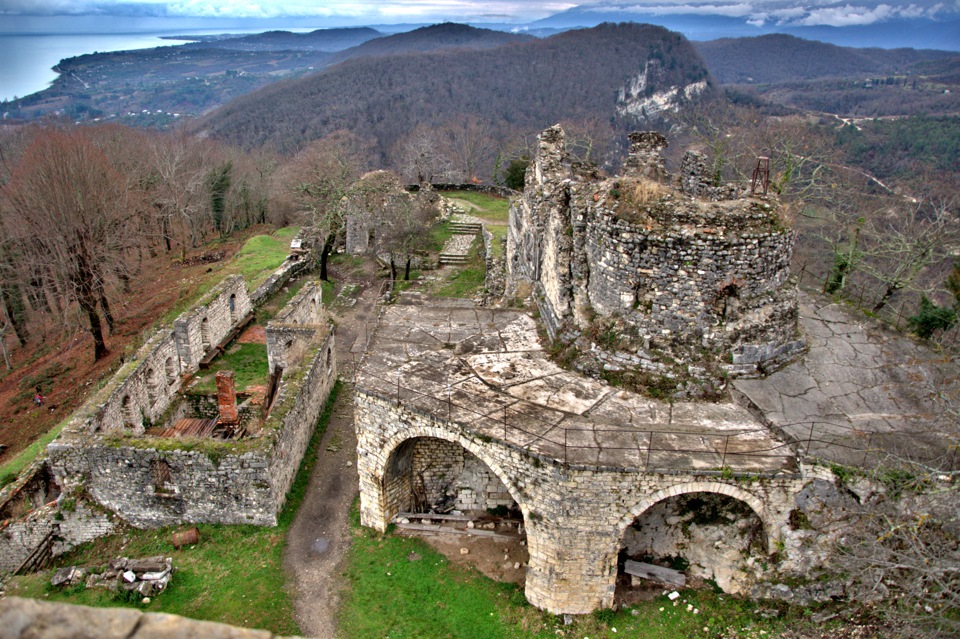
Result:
x=575 y=516
x=448 y=476
x=648 y=276
x=292 y=267
x=292 y=330
x=38 y=619
x=495 y=278
x=77 y=524
x=207 y=323
x=153 y=482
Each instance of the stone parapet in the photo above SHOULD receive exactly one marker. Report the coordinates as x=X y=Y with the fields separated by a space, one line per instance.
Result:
x=45 y=619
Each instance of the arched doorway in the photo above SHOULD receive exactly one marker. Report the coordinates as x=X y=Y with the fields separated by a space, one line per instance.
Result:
x=711 y=538
x=438 y=489
x=426 y=474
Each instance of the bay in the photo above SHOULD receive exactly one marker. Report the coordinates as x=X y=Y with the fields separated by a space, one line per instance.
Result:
x=30 y=46
x=27 y=61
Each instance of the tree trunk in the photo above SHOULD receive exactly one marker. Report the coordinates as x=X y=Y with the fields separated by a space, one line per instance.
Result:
x=89 y=306
x=393 y=269
x=887 y=294
x=13 y=311
x=106 y=307
x=86 y=288
x=406 y=270
x=324 y=254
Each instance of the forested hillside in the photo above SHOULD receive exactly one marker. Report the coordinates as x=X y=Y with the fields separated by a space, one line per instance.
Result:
x=783 y=58
x=508 y=91
x=433 y=38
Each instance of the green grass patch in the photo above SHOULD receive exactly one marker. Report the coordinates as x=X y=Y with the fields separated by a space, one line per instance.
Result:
x=430 y=597
x=469 y=279
x=260 y=256
x=439 y=234
x=499 y=232
x=234 y=575
x=247 y=361
x=11 y=469
x=491 y=207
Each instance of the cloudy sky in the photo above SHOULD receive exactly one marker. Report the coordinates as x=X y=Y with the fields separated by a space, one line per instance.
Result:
x=790 y=12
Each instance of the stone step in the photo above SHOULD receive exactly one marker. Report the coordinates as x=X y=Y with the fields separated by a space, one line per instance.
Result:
x=453 y=259
x=465 y=228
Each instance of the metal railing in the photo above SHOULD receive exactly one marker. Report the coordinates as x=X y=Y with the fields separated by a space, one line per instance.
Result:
x=522 y=424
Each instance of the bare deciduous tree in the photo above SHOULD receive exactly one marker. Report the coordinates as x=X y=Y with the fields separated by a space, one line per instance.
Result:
x=68 y=213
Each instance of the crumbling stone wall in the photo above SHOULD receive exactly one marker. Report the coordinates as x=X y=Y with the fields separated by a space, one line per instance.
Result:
x=77 y=524
x=292 y=330
x=145 y=387
x=199 y=329
x=575 y=516
x=646 y=276
x=151 y=482
x=447 y=477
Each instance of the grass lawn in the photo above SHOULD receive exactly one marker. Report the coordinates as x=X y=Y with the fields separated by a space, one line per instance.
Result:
x=247 y=361
x=492 y=207
x=401 y=588
x=234 y=575
x=470 y=278
x=260 y=256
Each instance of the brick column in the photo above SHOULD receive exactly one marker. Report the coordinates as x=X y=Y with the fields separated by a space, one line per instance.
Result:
x=227 y=398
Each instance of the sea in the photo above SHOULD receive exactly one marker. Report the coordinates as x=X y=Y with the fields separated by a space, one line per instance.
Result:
x=31 y=46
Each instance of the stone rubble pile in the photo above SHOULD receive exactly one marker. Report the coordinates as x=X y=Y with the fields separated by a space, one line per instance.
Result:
x=148 y=576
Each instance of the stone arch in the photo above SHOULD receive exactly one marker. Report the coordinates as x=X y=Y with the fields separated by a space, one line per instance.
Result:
x=391 y=445
x=233 y=308
x=130 y=413
x=153 y=386
x=205 y=334
x=170 y=371
x=771 y=531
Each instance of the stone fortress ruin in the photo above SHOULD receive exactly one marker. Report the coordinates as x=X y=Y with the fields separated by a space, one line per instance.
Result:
x=461 y=408
x=662 y=408
x=688 y=283
x=150 y=451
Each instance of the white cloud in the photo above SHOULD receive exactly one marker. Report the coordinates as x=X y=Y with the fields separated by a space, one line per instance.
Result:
x=736 y=9
x=414 y=10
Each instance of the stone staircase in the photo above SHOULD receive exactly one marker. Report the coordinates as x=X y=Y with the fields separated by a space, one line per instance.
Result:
x=465 y=229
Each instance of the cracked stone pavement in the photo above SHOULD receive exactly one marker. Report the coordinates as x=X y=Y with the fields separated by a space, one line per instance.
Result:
x=862 y=392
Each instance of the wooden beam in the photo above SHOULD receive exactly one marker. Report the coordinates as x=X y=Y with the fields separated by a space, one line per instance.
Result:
x=656 y=573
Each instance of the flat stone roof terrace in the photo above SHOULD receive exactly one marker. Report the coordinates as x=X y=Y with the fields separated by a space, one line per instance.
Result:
x=485 y=370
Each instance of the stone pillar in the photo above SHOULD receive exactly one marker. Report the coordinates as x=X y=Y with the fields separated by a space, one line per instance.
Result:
x=644 y=159
x=571 y=570
x=227 y=398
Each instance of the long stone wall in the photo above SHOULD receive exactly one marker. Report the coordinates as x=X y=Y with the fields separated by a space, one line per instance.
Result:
x=575 y=516
x=207 y=323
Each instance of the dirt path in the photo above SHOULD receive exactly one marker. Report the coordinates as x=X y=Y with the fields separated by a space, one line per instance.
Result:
x=320 y=534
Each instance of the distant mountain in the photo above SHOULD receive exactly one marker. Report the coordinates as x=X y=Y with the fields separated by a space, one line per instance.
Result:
x=733 y=20
x=627 y=74
x=784 y=58
x=433 y=38
x=329 y=40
